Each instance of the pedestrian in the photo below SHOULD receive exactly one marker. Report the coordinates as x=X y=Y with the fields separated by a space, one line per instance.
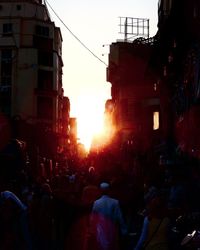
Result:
x=156 y=225
x=14 y=227
x=106 y=221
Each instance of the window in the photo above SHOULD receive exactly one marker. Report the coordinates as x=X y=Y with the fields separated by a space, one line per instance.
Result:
x=6 y=107
x=156 y=120
x=6 y=67
x=196 y=11
x=42 y=31
x=6 y=55
x=45 y=58
x=166 y=5
x=7 y=28
x=45 y=80
x=43 y=43
x=18 y=7
x=45 y=108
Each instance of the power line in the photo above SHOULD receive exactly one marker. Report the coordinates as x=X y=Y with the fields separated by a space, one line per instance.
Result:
x=75 y=35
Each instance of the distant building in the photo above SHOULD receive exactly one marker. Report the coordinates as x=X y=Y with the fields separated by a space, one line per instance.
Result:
x=73 y=135
x=64 y=114
x=31 y=64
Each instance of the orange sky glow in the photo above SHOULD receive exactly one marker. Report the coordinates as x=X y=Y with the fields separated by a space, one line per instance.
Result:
x=95 y=23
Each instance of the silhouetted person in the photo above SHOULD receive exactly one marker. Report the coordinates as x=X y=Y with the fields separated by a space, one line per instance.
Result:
x=107 y=221
x=14 y=223
x=155 y=230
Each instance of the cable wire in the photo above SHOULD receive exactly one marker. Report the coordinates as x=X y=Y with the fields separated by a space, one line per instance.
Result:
x=74 y=34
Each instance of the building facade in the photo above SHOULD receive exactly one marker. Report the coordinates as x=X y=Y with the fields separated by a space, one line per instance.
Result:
x=31 y=64
x=135 y=96
x=178 y=57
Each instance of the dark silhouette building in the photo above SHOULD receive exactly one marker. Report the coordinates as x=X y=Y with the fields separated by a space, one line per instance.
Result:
x=135 y=95
x=31 y=90
x=177 y=60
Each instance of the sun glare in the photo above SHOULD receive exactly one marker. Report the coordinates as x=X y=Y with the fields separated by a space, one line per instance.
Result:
x=89 y=121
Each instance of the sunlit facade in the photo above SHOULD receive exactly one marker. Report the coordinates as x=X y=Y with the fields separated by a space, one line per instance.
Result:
x=31 y=65
x=133 y=91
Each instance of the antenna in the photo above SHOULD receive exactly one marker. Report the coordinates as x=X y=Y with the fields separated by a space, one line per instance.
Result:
x=134 y=27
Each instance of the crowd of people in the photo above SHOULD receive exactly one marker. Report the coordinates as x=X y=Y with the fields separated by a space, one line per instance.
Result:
x=81 y=207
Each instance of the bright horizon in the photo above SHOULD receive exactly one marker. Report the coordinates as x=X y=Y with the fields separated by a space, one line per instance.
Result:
x=84 y=76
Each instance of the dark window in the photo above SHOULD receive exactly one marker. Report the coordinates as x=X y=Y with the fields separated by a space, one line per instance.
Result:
x=1 y=7
x=42 y=31
x=196 y=9
x=6 y=67
x=45 y=108
x=6 y=55
x=45 y=58
x=7 y=28
x=6 y=107
x=45 y=80
x=43 y=43
x=19 y=7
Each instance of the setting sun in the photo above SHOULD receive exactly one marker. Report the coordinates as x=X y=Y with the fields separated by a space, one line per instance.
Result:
x=90 y=120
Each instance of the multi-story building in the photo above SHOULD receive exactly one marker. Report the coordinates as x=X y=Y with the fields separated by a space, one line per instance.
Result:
x=31 y=66
x=171 y=67
x=178 y=57
x=73 y=135
x=64 y=123
x=136 y=106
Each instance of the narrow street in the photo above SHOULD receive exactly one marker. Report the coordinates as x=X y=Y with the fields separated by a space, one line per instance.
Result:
x=123 y=171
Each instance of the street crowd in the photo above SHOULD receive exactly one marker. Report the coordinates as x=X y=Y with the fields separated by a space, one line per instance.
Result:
x=81 y=207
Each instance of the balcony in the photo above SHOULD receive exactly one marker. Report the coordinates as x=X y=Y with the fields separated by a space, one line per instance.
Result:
x=43 y=43
x=45 y=92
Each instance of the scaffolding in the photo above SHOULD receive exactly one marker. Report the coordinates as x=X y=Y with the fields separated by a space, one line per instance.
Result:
x=134 y=27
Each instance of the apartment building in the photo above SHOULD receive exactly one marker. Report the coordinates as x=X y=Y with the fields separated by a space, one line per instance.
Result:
x=178 y=57
x=135 y=96
x=31 y=66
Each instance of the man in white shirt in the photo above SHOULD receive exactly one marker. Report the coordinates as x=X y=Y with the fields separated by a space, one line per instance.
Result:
x=107 y=221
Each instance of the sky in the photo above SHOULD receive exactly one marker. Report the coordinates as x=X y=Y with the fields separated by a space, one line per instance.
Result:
x=96 y=24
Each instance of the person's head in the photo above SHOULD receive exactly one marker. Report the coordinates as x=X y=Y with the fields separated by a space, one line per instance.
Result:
x=105 y=187
x=46 y=189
